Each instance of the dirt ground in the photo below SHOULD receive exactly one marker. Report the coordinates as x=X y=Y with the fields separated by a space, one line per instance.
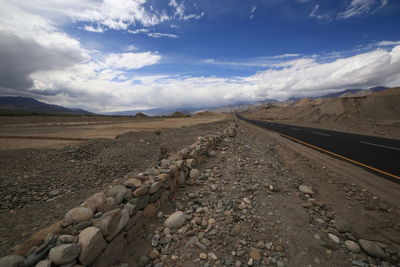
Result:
x=250 y=188
x=277 y=225
x=58 y=131
x=27 y=176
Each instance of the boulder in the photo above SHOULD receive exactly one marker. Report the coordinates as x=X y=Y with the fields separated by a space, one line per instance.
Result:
x=112 y=253
x=92 y=245
x=79 y=214
x=109 y=205
x=108 y=222
x=124 y=218
x=133 y=183
x=116 y=190
x=155 y=186
x=64 y=253
x=175 y=220
x=141 y=191
x=95 y=202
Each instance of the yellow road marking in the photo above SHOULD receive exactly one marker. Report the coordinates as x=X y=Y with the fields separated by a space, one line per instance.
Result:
x=332 y=153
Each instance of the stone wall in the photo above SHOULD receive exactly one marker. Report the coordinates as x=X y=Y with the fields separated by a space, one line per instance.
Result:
x=95 y=233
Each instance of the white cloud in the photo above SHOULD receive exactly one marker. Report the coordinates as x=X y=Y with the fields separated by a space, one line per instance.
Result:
x=91 y=28
x=106 y=14
x=131 y=60
x=142 y=30
x=180 y=11
x=388 y=43
x=131 y=48
x=111 y=90
x=159 y=35
x=358 y=8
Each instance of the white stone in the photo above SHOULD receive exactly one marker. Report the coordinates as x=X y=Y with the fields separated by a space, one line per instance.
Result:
x=334 y=238
x=175 y=220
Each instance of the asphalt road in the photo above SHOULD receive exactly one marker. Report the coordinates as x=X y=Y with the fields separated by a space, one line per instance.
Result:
x=379 y=155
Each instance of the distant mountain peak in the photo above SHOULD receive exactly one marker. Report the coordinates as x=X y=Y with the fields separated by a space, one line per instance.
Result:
x=29 y=104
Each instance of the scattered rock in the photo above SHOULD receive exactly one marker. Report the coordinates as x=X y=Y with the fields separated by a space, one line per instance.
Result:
x=352 y=246
x=203 y=256
x=305 y=189
x=255 y=254
x=175 y=220
x=334 y=238
x=372 y=248
x=154 y=254
x=54 y=193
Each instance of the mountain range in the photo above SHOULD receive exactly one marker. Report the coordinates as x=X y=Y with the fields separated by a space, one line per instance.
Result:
x=28 y=104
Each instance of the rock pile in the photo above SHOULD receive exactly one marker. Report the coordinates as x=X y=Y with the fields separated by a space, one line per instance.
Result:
x=95 y=233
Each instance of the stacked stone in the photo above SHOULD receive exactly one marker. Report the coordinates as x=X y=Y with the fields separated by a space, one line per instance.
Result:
x=96 y=233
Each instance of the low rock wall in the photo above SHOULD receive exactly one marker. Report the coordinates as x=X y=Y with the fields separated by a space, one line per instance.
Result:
x=96 y=233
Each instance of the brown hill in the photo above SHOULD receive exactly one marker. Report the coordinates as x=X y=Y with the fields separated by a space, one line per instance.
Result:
x=362 y=112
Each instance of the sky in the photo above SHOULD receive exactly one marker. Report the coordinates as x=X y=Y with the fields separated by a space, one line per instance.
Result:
x=115 y=55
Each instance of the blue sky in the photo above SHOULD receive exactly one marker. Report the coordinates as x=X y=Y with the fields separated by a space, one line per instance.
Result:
x=115 y=55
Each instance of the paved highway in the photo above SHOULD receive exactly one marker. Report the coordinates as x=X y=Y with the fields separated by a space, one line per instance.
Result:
x=380 y=155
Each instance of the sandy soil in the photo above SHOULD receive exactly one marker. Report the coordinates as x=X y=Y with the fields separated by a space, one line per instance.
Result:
x=69 y=130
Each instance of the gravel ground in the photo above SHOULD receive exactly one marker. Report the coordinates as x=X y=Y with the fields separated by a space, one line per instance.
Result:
x=39 y=185
x=247 y=209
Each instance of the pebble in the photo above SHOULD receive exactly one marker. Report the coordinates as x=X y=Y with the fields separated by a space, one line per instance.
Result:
x=175 y=220
x=154 y=254
x=372 y=248
x=143 y=261
x=352 y=246
x=212 y=256
x=255 y=254
x=203 y=256
x=54 y=192
x=334 y=238
x=305 y=189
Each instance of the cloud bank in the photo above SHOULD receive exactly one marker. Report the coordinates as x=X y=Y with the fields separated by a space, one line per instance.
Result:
x=39 y=59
